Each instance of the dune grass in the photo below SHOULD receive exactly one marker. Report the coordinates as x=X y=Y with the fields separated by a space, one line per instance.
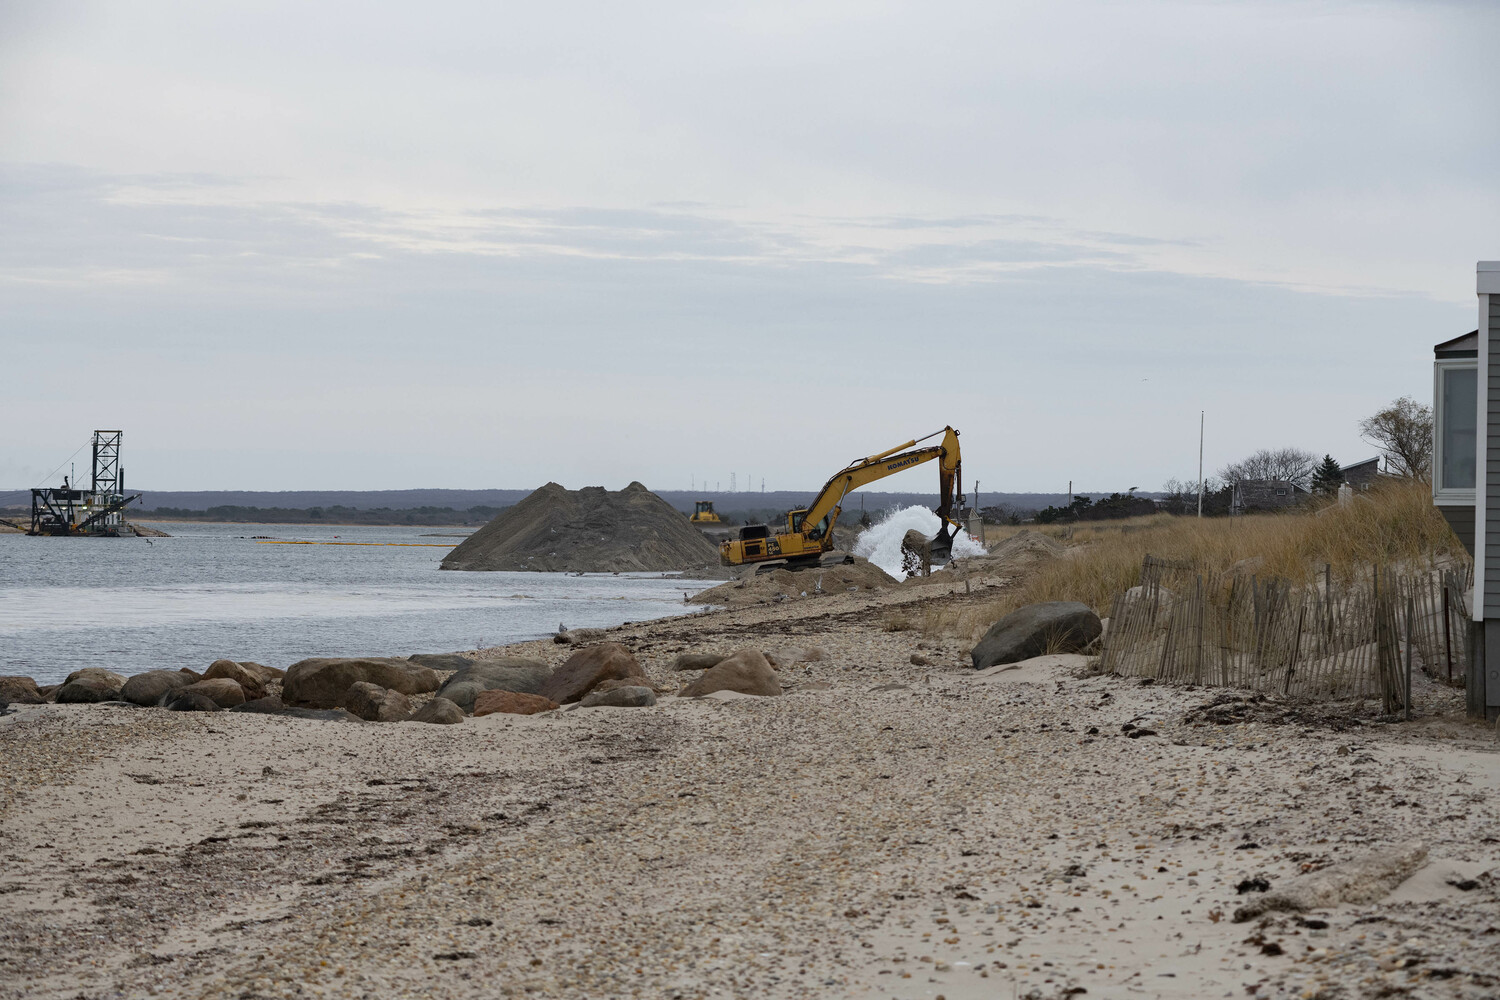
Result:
x=1395 y=524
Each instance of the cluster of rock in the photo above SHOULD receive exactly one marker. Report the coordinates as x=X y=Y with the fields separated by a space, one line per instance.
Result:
x=385 y=689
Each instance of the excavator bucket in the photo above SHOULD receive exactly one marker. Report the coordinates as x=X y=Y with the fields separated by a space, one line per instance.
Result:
x=942 y=545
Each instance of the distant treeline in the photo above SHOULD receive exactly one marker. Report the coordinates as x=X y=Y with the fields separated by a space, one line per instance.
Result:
x=327 y=515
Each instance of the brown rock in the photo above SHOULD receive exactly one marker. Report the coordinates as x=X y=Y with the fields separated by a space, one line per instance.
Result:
x=440 y=712
x=586 y=669
x=511 y=703
x=745 y=670
x=87 y=688
x=376 y=704
x=20 y=691
x=109 y=677
x=249 y=681
x=192 y=675
x=220 y=690
x=267 y=674
x=320 y=682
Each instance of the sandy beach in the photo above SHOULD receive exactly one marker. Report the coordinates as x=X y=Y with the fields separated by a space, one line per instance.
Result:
x=882 y=829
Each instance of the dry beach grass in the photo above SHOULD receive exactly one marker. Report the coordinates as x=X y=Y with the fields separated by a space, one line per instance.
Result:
x=1395 y=524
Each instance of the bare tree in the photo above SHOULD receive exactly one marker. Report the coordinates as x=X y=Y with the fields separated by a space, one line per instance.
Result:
x=1403 y=433
x=1292 y=465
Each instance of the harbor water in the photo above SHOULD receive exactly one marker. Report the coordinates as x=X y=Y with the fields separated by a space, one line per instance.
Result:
x=215 y=590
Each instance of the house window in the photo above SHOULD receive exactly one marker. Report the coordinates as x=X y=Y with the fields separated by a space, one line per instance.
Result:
x=1455 y=423
x=1281 y=493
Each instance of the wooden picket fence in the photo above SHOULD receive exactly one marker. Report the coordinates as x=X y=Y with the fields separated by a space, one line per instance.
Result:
x=1329 y=641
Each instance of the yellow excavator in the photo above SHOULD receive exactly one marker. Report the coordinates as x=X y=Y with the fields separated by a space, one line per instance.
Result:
x=809 y=530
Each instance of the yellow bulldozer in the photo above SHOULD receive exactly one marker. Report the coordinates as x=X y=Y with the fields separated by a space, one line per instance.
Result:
x=809 y=531
x=703 y=513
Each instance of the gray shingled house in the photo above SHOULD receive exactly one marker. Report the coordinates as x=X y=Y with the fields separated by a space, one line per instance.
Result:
x=1249 y=496
x=1466 y=473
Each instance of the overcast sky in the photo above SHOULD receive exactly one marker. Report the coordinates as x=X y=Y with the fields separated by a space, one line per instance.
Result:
x=374 y=245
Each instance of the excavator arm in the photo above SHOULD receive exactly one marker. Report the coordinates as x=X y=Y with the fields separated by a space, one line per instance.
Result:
x=823 y=513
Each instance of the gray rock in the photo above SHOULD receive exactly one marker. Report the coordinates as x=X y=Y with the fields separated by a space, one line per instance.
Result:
x=376 y=704
x=321 y=682
x=620 y=697
x=441 y=661
x=1050 y=627
x=746 y=671
x=274 y=706
x=148 y=688
x=696 y=661
x=511 y=673
x=438 y=711
x=188 y=701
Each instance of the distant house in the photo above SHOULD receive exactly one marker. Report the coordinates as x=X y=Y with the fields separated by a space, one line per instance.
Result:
x=1251 y=495
x=1361 y=475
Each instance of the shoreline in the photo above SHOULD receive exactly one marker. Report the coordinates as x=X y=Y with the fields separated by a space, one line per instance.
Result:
x=883 y=828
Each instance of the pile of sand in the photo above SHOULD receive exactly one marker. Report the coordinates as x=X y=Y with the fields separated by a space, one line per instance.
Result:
x=783 y=585
x=586 y=531
x=1016 y=553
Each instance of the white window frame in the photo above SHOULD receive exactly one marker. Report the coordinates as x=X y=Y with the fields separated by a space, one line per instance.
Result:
x=1442 y=495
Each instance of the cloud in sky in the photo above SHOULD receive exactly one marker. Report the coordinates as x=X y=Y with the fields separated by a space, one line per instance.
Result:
x=356 y=246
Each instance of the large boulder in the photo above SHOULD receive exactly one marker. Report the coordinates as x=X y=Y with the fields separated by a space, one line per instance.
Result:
x=376 y=704
x=1050 y=627
x=511 y=703
x=90 y=685
x=251 y=682
x=87 y=688
x=438 y=712
x=585 y=669
x=150 y=687
x=626 y=696
x=746 y=671
x=510 y=673
x=19 y=690
x=220 y=690
x=320 y=682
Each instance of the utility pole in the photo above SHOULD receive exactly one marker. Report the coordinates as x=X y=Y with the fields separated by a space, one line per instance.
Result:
x=1200 y=463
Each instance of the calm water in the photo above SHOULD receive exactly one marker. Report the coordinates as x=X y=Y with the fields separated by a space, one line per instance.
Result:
x=212 y=591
